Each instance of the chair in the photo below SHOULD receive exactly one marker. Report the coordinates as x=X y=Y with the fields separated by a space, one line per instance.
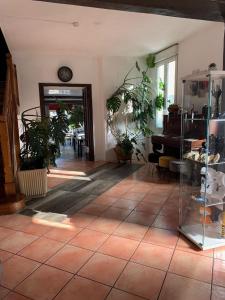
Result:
x=153 y=158
x=79 y=138
x=164 y=164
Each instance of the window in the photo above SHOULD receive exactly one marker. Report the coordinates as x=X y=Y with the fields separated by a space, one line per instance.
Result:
x=166 y=85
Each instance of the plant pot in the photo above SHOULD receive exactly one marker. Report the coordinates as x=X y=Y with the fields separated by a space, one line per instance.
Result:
x=120 y=155
x=33 y=183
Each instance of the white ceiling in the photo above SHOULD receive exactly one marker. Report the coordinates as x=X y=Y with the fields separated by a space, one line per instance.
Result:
x=38 y=26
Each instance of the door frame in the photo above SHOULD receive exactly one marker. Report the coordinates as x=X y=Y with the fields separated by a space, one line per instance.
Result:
x=88 y=111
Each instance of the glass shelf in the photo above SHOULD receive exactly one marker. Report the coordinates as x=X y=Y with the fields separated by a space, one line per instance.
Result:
x=201 y=119
x=206 y=202
x=202 y=183
x=204 y=163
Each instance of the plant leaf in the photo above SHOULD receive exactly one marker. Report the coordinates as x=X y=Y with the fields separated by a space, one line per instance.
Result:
x=137 y=67
x=113 y=104
x=150 y=61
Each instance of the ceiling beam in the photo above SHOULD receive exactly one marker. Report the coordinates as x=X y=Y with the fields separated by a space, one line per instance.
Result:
x=213 y=10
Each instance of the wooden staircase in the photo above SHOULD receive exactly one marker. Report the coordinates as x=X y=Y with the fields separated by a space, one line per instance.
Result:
x=10 y=198
x=2 y=92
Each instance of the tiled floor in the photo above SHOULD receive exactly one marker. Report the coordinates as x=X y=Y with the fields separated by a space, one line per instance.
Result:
x=122 y=246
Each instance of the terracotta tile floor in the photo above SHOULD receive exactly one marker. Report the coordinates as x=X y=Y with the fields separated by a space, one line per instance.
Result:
x=114 y=250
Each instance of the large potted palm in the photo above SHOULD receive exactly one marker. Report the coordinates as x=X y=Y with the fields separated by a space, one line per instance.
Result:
x=41 y=139
x=129 y=111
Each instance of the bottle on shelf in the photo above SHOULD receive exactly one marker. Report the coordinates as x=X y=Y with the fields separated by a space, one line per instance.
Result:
x=192 y=112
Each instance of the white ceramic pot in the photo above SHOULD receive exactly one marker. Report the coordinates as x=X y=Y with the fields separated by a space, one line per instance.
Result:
x=33 y=183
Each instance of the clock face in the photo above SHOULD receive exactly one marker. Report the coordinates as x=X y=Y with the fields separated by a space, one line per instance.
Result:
x=65 y=74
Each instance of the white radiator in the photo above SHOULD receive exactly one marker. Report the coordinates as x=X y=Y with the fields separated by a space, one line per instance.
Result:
x=33 y=183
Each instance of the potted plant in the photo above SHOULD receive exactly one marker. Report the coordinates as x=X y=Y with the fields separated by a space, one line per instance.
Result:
x=129 y=111
x=41 y=140
x=126 y=146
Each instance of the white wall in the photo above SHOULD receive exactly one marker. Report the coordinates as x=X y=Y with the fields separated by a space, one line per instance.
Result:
x=199 y=50
x=105 y=75
x=33 y=68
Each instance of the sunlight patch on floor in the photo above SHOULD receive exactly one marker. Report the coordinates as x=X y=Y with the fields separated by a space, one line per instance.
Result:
x=66 y=172
x=69 y=177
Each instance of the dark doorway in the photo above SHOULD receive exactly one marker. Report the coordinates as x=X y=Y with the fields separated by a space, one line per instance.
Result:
x=77 y=97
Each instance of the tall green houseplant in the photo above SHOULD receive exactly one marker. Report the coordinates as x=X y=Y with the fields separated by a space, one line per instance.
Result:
x=130 y=108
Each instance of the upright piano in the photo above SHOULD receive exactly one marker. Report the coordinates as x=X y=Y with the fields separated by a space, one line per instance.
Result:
x=171 y=138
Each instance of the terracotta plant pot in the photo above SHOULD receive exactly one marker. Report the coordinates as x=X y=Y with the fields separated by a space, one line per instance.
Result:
x=120 y=155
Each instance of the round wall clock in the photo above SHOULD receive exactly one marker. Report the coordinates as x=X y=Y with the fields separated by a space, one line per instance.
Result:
x=65 y=74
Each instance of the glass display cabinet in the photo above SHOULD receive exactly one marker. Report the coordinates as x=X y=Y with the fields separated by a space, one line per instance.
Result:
x=202 y=178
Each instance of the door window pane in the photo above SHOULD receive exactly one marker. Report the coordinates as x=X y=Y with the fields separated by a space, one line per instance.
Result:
x=166 y=73
x=160 y=78
x=171 y=77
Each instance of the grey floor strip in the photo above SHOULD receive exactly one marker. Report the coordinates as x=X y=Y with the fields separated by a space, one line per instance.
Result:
x=70 y=197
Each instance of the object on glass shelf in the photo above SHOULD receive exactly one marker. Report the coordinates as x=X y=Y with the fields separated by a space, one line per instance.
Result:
x=212 y=184
x=173 y=108
x=206 y=111
x=216 y=158
x=216 y=93
x=222 y=224
x=203 y=87
x=198 y=199
x=216 y=147
x=205 y=215
x=192 y=112
x=194 y=88
x=193 y=155
x=212 y=67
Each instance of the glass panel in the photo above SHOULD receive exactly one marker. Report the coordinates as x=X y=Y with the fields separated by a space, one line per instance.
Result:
x=63 y=91
x=171 y=77
x=202 y=201
x=196 y=97
x=160 y=78
x=192 y=213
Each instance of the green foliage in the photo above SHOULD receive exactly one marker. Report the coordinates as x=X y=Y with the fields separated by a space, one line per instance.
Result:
x=160 y=99
x=134 y=92
x=126 y=144
x=131 y=105
x=150 y=61
x=161 y=85
x=113 y=103
x=159 y=102
x=76 y=118
x=41 y=139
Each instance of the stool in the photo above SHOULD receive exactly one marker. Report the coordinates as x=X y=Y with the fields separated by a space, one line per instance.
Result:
x=153 y=159
x=178 y=166
x=164 y=163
